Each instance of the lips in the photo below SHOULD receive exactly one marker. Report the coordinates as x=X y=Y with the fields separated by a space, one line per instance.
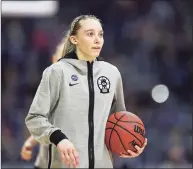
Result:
x=97 y=48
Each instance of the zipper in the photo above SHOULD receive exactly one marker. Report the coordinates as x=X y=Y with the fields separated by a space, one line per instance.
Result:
x=49 y=156
x=91 y=116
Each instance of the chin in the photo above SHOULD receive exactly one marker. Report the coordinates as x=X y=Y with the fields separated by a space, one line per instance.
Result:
x=96 y=54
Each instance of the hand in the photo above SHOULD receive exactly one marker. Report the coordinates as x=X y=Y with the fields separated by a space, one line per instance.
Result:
x=26 y=151
x=68 y=153
x=135 y=154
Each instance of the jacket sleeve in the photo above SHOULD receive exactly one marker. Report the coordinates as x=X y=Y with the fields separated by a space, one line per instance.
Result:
x=118 y=103
x=46 y=97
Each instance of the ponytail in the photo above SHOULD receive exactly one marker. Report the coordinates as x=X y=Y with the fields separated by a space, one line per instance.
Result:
x=67 y=45
x=64 y=47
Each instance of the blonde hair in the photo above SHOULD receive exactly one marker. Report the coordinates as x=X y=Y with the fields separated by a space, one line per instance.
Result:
x=66 y=46
x=59 y=51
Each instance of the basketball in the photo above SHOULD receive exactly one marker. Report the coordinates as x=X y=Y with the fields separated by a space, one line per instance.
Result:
x=123 y=131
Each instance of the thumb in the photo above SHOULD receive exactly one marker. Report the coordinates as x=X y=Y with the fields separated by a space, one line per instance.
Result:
x=28 y=146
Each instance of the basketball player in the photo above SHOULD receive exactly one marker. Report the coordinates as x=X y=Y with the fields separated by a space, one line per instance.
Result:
x=74 y=99
x=30 y=143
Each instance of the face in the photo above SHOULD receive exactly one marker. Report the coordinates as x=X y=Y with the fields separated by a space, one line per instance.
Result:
x=89 y=39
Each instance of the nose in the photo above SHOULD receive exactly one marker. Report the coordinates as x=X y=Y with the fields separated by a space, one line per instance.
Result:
x=97 y=40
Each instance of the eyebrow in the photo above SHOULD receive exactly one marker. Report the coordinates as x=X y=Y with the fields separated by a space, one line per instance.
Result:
x=92 y=30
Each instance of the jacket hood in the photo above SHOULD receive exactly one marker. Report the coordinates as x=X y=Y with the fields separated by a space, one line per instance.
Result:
x=81 y=65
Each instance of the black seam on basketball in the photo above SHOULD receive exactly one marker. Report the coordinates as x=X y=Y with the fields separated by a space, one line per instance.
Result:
x=119 y=139
x=110 y=138
x=111 y=133
x=132 y=122
x=126 y=131
x=129 y=122
x=115 y=116
x=117 y=132
x=126 y=121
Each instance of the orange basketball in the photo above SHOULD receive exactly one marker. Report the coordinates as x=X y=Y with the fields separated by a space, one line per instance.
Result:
x=123 y=131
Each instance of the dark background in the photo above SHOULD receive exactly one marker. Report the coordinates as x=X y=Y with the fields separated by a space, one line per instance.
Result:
x=150 y=41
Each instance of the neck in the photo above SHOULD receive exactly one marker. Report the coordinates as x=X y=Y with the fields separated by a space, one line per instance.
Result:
x=82 y=56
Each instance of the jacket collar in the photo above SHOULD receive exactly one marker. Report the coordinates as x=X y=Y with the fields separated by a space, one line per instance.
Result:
x=72 y=55
x=81 y=65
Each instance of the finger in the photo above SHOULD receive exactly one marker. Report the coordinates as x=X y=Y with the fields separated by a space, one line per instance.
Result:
x=145 y=142
x=67 y=159
x=76 y=157
x=26 y=155
x=138 y=148
x=72 y=158
x=63 y=158
x=26 y=150
x=126 y=156
x=27 y=147
x=133 y=154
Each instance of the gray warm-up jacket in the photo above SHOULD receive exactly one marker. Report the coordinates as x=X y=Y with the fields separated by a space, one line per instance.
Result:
x=42 y=157
x=74 y=100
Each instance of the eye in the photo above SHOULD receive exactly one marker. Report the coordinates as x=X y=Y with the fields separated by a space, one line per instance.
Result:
x=101 y=34
x=90 y=34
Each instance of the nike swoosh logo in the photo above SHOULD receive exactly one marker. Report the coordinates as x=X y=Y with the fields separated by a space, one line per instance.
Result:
x=72 y=84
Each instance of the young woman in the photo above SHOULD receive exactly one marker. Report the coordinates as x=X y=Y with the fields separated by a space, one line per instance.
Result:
x=74 y=99
x=30 y=142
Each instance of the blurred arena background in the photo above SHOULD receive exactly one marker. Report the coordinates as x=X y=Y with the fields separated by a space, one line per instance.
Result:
x=150 y=41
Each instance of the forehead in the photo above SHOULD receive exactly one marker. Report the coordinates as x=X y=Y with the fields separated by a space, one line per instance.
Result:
x=90 y=24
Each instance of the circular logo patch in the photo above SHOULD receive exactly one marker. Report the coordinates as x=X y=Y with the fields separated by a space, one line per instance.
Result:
x=103 y=84
x=74 y=77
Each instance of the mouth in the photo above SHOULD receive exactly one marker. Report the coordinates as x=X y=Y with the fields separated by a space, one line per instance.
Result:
x=96 y=48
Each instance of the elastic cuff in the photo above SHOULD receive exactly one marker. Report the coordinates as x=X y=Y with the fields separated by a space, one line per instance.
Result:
x=57 y=136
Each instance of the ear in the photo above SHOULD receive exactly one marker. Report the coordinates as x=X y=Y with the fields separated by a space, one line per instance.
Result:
x=73 y=40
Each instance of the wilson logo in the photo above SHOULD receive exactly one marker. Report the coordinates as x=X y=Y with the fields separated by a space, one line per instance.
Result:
x=139 y=130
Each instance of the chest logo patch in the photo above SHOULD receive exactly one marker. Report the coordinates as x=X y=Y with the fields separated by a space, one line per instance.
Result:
x=74 y=77
x=103 y=84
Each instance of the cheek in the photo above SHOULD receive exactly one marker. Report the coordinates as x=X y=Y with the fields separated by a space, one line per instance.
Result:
x=102 y=42
x=85 y=44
